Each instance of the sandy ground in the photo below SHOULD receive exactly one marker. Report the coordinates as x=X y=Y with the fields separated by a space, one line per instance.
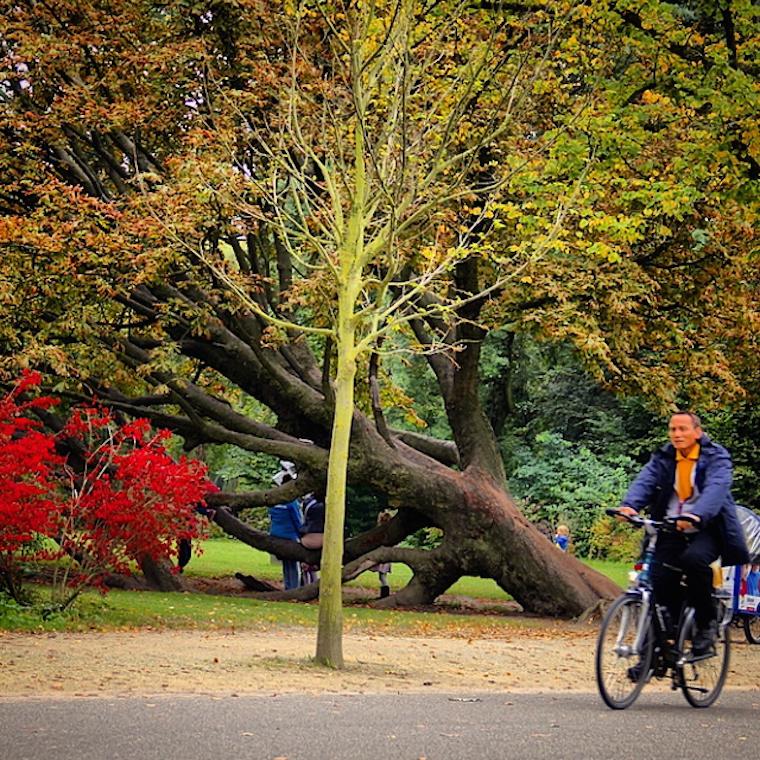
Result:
x=276 y=662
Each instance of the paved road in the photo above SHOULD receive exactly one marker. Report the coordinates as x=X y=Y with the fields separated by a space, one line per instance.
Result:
x=380 y=727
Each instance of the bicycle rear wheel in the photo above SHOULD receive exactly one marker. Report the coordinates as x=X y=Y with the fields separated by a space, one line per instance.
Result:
x=702 y=680
x=616 y=654
x=752 y=628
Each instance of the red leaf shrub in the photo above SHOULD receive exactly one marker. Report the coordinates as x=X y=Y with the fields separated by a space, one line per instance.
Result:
x=28 y=471
x=118 y=498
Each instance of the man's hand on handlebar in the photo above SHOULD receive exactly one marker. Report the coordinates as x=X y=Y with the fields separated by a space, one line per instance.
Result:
x=624 y=510
x=687 y=521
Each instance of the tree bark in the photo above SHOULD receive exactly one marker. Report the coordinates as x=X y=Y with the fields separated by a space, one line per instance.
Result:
x=330 y=631
x=159 y=575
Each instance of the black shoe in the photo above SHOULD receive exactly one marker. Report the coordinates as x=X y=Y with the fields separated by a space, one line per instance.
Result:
x=704 y=640
x=385 y=591
x=635 y=671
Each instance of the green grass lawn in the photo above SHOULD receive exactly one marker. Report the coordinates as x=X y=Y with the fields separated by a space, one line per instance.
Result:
x=616 y=571
x=129 y=610
x=223 y=557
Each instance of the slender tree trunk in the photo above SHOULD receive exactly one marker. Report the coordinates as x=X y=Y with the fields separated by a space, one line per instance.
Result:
x=349 y=281
x=330 y=632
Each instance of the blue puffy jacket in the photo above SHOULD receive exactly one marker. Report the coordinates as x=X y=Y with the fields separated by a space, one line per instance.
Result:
x=286 y=521
x=715 y=506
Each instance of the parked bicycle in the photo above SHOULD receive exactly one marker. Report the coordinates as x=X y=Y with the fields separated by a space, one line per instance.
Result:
x=751 y=625
x=635 y=645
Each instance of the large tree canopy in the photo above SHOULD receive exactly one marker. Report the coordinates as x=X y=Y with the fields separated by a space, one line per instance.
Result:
x=178 y=180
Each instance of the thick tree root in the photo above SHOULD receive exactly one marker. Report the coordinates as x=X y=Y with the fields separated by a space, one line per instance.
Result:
x=594 y=612
x=254 y=584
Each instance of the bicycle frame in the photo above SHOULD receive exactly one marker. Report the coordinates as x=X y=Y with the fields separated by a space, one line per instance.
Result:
x=642 y=589
x=642 y=628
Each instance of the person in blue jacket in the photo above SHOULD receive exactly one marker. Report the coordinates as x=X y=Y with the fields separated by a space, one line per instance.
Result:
x=690 y=476
x=286 y=523
x=562 y=538
x=753 y=580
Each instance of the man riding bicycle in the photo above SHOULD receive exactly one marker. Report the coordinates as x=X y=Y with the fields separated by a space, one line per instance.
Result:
x=690 y=476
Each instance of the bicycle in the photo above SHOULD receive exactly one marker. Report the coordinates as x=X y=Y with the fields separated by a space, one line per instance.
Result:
x=635 y=643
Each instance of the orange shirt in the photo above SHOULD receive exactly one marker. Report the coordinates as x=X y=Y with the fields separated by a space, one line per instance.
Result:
x=684 y=484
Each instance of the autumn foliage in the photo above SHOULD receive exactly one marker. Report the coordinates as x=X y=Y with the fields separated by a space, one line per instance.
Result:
x=114 y=497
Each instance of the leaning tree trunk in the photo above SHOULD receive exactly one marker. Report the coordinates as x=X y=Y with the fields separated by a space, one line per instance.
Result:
x=492 y=538
x=159 y=575
x=486 y=535
x=457 y=486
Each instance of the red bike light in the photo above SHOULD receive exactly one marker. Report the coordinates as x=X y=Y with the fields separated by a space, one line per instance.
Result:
x=638 y=566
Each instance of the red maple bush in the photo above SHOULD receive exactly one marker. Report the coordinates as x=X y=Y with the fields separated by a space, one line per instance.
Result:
x=28 y=467
x=116 y=497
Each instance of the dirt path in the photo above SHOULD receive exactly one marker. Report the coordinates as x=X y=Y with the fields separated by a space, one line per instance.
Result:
x=274 y=662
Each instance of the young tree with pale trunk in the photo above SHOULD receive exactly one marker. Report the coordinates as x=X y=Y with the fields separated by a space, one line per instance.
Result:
x=371 y=219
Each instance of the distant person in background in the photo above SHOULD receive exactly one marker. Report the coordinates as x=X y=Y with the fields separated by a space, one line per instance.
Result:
x=753 y=581
x=286 y=523
x=185 y=546
x=184 y=553
x=383 y=568
x=312 y=532
x=562 y=538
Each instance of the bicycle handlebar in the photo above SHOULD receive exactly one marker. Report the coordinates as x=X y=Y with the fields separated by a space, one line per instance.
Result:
x=668 y=523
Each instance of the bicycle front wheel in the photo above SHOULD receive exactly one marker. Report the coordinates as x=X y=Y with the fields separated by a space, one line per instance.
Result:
x=621 y=671
x=702 y=679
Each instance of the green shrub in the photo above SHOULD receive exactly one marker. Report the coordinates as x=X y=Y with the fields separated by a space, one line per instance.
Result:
x=613 y=540
x=563 y=482
x=424 y=538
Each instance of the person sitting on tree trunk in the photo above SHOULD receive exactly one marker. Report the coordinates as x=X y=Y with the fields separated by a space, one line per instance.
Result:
x=312 y=532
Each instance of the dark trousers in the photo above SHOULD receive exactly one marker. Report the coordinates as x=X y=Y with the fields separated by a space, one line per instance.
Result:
x=677 y=554
x=291 y=573
x=184 y=552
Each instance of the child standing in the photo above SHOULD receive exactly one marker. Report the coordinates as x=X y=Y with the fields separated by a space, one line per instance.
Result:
x=562 y=538
x=383 y=568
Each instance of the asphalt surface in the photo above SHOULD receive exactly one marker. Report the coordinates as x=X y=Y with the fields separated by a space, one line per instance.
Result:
x=380 y=727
